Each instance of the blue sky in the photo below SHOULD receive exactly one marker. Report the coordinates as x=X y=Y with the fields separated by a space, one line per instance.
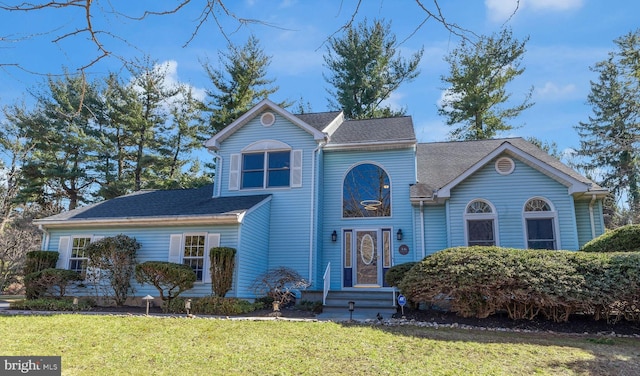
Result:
x=567 y=37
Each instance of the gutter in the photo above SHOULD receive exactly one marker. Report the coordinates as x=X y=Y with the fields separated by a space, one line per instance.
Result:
x=422 y=235
x=144 y=221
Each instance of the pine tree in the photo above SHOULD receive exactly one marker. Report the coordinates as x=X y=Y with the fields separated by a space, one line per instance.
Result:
x=240 y=84
x=610 y=140
x=477 y=83
x=365 y=69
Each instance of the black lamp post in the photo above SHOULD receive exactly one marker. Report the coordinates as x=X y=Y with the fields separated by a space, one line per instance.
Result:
x=351 y=308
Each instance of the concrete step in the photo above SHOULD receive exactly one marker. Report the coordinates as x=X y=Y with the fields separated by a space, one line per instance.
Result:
x=367 y=305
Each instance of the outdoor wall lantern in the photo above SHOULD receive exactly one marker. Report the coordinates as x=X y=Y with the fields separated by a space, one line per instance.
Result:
x=399 y=234
x=352 y=305
x=334 y=236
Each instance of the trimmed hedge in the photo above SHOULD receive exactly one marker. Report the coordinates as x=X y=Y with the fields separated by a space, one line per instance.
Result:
x=622 y=239
x=480 y=281
x=40 y=260
x=396 y=273
x=49 y=282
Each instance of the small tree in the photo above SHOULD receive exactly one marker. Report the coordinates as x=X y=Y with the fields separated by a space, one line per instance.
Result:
x=280 y=284
x=115 y=258
x=169 y=278
x=222 y=266
x=40 y=260
x=17 y=239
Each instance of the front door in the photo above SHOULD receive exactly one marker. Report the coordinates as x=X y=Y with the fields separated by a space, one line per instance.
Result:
x=367 y=255
x=367 y=270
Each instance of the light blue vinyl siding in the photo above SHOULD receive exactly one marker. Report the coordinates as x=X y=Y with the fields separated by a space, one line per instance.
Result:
x=154 y=247
x=399 y=165
x=583 y=220
x=435 y=231
x=508 y=194
x=291 y=208
x=254 y=243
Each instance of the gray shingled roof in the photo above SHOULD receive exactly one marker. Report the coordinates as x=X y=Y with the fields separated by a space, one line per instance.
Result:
x=318 y=120
x=395 y=129
x=441 y=162
x=161 y=203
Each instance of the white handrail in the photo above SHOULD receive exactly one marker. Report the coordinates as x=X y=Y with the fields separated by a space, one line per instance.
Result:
x=327 y=283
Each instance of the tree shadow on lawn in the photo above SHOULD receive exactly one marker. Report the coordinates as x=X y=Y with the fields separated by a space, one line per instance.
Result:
x=612 y=354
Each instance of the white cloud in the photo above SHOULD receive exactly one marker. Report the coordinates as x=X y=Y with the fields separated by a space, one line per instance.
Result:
x=432 y=131
x=554 y=5
x=501 y=10
x=551 y=90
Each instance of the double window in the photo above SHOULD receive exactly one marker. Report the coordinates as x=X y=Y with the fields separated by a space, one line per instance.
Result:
x=480 y=217
x=266 y=169
x=266 y=164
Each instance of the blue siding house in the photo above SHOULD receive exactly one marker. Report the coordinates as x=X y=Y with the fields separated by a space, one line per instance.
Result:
x=341 y=201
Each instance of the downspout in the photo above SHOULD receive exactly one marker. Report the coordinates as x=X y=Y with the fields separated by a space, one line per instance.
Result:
x=313 y=209
x=217 y=175
x=422 y=241
x=592 y=217
x=45 y=238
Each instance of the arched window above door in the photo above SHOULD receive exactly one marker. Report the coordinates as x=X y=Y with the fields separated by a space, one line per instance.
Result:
x=366 y=192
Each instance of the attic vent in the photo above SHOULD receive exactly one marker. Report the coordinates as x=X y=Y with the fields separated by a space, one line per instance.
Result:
x=267 y=119
x=505 y=166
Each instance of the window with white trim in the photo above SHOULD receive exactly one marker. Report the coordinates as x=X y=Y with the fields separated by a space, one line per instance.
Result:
x=540 y=218
x=480 y=220
x=194 y=253
x=78 y=259
x=266 y=169
x=366 y=192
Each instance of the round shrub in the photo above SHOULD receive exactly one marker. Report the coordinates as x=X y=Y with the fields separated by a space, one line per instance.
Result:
x=622 y=239
x=170 y=279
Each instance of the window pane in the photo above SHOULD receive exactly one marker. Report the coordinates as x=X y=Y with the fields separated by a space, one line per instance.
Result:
x=366 y=192
x=386 y=248
x=540 y=228
x=540 y=234
x=347 y=249
x=253 y=179
x=279 y=178
x=480 y=232
x=279 y=159
x=253 y=162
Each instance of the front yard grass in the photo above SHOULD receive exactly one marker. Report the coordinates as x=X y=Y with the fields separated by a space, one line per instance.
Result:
x=137 y=345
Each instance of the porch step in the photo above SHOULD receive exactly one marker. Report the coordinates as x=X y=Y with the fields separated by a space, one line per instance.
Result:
x=367 y=305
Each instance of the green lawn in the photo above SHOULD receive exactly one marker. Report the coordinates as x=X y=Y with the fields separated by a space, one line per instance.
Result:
x=137 y=345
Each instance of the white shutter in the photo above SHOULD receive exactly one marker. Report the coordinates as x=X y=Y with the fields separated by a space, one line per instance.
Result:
x=213 y=240
x=296 y=169
x=234 y=172
x=175 y=253
x=64 y=249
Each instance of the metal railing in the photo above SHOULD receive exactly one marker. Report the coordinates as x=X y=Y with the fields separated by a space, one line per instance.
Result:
x=327 y=283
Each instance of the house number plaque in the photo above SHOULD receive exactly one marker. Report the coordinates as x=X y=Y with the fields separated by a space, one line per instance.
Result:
x=403 y=249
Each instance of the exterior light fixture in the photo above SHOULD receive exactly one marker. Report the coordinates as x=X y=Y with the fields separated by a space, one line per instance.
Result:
x=148 y=299
x=187 y=306
x=399 y=234
x=334 y=236
x=351 y=308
